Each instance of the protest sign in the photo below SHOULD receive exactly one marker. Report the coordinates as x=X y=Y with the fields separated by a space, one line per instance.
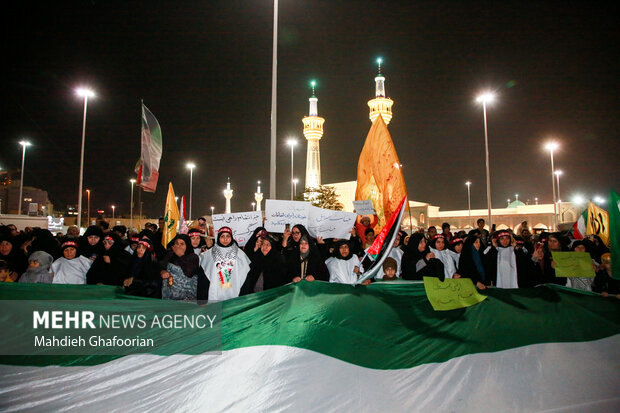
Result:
x=451 y=294
x=573 y=264
x=364 y=207
x=328 y=223
x=242 y=224
x=280 y=213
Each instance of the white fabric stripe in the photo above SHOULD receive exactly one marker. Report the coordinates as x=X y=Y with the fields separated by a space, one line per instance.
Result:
x=566 y=377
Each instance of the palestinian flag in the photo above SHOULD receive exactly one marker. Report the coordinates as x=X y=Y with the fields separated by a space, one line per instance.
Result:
x=579 y=227
x=383 y=243
x=316 y=346
x=147 y=167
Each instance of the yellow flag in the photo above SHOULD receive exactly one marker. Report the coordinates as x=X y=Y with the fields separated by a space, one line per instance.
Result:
x=379 y=174
x=171 y=217
x=598 y=222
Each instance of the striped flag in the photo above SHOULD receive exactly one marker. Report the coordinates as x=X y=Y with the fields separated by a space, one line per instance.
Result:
x=579 y=227
x=147 y=167
x=183 y=218
x=382 y=245
x=334 y=347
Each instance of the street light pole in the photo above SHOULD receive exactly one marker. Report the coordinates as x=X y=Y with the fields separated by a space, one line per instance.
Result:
x=88 y=208
x=295 y=186
x=484 y=99
x=274 y=107
x=113 y=208
x=468 y=183
x=292 y=143
x=132 y=181
x=191 y=167
x=24 y=144
x=85 y=93
x=552 y=146
x=557 y=175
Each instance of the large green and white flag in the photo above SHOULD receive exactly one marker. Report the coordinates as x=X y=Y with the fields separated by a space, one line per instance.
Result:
x=333 y=347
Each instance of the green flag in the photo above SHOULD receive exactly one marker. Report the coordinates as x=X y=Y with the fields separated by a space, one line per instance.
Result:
x=614 y=233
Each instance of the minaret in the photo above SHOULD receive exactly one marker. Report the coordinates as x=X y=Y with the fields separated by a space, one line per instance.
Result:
x=228 y=193
x=380 y=105
x=313 y=131
x=258 y=196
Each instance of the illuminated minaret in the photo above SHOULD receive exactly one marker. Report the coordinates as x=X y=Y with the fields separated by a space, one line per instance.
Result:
x=313 y=131
x=228 y=194
x=380 y=105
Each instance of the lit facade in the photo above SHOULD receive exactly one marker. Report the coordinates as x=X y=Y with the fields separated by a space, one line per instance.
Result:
x=313 y=131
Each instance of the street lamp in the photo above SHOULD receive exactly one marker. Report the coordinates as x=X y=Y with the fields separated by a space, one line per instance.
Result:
x=212 y=209
x=485 y=98
x=295 y=186
x=24 y=144
x=88 y=207
x=292 y=143
x=551 y=147
x=85 y=93
x=253 y=206
x=468 y=183
x=191 y=167
x=132 y=181
x=113 y=208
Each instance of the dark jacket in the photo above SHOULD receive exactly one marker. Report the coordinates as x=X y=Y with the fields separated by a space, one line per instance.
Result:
x=113 y=273
x=271 y=267
x=414 y=264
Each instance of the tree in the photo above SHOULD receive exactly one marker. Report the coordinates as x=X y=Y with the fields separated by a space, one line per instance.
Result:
x=322 y=197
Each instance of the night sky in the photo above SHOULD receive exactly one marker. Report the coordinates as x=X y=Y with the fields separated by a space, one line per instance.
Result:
x=204 y=69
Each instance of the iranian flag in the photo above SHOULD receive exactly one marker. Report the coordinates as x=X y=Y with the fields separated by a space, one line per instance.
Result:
x=316 y=346
x=183 y=229
x=147 y=167
x=579 y=227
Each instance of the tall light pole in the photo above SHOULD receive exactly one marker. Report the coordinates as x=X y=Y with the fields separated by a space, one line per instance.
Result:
x=468 y=183
x=274 y=106
x=88 y=207
x=557 y=176
x=85 y=93
x=295 y=186
x=485 y=98
x=132 y=181
x=551 y=147
x=253 y=206
x=212 y=209
x=292 y=143
x=113 y=208
x=24 y=144
x=191 y=167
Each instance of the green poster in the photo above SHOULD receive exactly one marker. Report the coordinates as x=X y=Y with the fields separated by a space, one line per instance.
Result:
x=573 y=264
x=451 y=294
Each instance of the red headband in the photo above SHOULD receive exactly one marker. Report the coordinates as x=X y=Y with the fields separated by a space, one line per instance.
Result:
x=225 y=230
x=456 y=241
x=438 y=236
x=69 y=244
x=146 y=244
x=502 y=233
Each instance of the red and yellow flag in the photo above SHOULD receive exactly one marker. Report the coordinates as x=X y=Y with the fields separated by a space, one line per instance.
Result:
x=171 y=218
x=379 y=174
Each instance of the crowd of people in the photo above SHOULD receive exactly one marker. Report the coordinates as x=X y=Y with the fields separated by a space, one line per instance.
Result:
x=194 y=266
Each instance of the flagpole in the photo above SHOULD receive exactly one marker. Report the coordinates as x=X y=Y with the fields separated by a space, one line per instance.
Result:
x=274 y=108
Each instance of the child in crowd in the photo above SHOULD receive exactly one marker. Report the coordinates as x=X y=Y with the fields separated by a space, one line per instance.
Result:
x=5 y=272
x=38 y=271
x=389 y=269
x=71 y=268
